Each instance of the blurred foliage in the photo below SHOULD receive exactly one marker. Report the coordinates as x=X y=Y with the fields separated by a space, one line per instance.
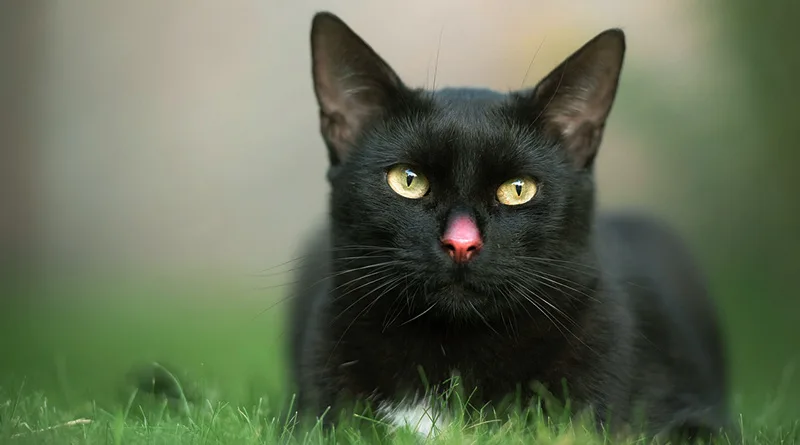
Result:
x=760 y=265
x=763 y=37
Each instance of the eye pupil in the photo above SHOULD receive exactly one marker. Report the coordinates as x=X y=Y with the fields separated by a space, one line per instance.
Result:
x=517 y=191
x=409 y=177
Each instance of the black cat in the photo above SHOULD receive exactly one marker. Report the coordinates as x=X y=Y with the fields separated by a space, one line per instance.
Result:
x=462 y=240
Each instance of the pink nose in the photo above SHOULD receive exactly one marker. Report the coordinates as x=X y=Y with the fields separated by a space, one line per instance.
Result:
x=462 y=239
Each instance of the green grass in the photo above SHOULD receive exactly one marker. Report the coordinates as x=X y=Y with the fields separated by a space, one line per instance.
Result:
x=66 y=350
x=31 y=418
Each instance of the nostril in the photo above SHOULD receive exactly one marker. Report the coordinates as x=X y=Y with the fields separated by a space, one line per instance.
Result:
x=461 y=250
x=462 y=239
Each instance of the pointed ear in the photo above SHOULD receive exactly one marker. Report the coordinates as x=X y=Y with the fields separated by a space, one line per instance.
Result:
x=352 y=83
x=572 y=103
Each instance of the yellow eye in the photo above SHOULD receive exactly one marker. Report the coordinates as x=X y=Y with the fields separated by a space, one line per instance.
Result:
x=406 y=182
x=516 y=191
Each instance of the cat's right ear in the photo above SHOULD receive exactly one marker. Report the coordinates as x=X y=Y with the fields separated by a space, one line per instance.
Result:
x=352 y=83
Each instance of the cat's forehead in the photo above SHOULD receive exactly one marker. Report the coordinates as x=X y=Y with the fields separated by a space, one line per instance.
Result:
x=461 y=134
x=469 y=121
x=465 y=106
x=466 y=98
x=458 y=133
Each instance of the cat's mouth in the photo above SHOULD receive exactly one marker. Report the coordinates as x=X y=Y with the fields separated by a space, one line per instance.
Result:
x=461 y=300
x=465 y=290
x=460 y=288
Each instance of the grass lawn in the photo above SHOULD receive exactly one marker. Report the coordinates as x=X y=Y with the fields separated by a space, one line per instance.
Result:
x=65 y=352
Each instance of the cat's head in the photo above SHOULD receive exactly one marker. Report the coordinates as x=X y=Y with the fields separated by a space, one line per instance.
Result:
x=467 y=199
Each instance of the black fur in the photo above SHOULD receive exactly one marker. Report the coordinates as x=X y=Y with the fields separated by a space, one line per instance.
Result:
x=611 y=305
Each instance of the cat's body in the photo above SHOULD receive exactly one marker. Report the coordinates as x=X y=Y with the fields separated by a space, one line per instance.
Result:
x=653 y=335
x=460 y=273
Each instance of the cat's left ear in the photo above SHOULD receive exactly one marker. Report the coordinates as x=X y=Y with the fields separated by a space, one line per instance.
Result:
x=573 y=102
x=353 y=85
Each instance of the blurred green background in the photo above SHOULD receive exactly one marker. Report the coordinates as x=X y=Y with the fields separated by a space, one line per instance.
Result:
x=156 y=158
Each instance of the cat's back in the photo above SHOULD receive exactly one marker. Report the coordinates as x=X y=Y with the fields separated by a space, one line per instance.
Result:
x=679 y=349
x=653 y=263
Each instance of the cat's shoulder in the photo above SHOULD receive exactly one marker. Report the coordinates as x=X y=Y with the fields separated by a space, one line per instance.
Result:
x=628 y=229
x=635 y=247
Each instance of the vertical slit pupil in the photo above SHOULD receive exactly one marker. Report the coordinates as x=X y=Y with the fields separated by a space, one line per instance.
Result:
x=518 y=186
x=409 y=177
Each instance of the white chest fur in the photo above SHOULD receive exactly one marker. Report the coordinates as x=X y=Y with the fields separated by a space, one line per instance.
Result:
x=419 y=415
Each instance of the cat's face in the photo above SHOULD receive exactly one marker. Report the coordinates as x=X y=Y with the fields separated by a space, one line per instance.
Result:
x=472 y=200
